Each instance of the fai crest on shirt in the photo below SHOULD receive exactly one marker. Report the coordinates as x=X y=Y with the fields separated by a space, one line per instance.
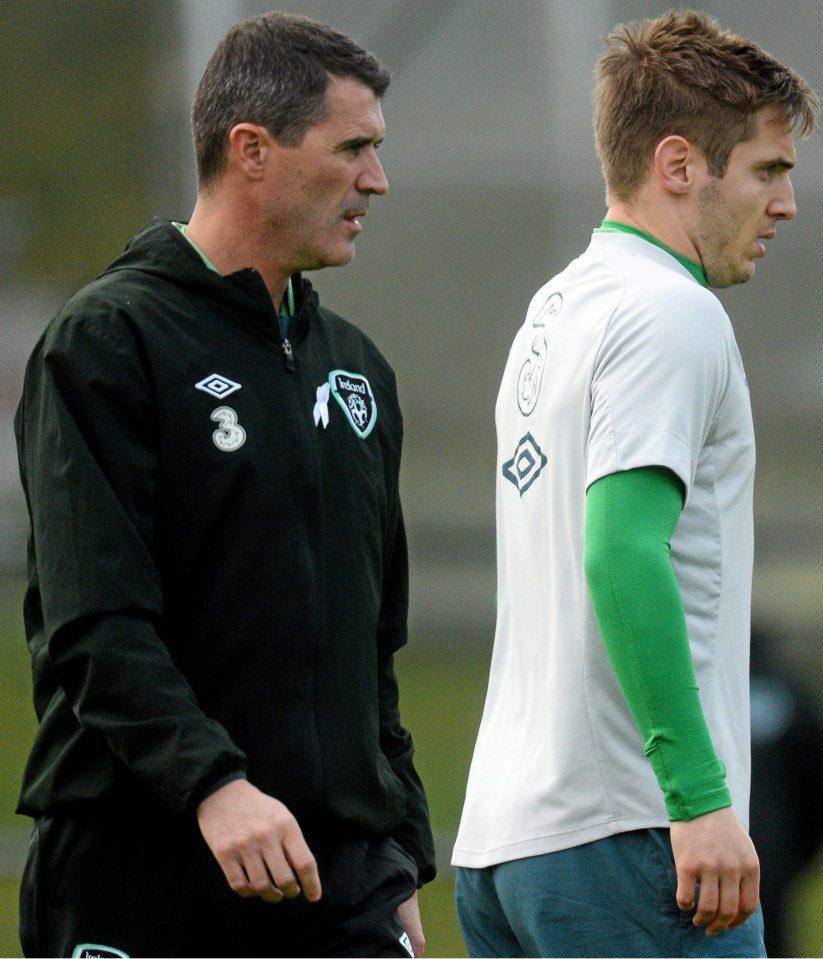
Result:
x=531 y=372
x=353 y=392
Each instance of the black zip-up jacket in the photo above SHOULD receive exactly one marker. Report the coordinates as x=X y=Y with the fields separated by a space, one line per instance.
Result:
x=218 y=565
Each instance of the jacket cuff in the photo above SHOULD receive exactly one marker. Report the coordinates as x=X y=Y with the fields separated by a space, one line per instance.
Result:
x=218 y=784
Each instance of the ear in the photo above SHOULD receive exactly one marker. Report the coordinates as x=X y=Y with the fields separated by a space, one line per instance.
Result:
x=674 y=160
x=249 y=149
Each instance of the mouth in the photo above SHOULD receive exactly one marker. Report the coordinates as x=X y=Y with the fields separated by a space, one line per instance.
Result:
x=352 y=216
x=760 y=242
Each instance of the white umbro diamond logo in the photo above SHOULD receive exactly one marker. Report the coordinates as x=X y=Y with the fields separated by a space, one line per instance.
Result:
x=217 y=385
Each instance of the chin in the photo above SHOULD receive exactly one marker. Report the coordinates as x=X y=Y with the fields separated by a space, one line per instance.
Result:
x=328 y=258
x=746 y=273
x=340 y=253
x=343 y=257
x=723 y=278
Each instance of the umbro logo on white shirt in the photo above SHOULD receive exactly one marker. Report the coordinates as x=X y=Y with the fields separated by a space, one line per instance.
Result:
x=526 y=464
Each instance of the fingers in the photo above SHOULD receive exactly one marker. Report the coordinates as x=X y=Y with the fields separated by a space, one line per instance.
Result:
x=261 y=883
x=686 y=886
x=727 y=906
x=258 y=844
x=749 y=899
x=408 y=913
x=308 y=877
x=298 y=868
x=717 y=903
x=270 y=876
x=724 y=902
x=249 y=880
x=287 y=869
x=708 y=900
x=714 y=854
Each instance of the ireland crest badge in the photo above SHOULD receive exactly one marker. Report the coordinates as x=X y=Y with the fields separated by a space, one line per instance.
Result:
x=353 y=392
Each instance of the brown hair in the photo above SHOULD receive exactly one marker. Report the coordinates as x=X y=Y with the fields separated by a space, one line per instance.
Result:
x=273 y=70
x=680 y=74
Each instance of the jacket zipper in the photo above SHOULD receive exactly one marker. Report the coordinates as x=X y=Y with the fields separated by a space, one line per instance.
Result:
x=288 y=353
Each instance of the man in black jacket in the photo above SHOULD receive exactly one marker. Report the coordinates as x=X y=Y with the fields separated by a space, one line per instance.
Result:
x=218 y=567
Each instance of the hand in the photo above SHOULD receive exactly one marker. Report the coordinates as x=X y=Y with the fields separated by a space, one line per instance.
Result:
x=408 y=913
x=258 y=844
x=715 y=852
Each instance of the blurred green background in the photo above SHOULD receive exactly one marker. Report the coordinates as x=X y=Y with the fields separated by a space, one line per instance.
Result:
x=494 y=187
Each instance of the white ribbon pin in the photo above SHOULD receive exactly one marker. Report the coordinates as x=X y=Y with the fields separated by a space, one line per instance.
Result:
x=321 y=407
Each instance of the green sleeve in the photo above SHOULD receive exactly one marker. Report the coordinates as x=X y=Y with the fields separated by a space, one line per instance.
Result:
x=630 y=519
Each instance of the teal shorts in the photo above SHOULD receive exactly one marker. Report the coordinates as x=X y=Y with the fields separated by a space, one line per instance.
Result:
x=612 y=897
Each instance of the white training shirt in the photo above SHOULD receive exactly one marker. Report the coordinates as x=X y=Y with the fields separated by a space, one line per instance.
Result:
x=625 y=360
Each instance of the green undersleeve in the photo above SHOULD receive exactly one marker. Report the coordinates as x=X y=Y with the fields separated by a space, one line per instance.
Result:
x=630 y=519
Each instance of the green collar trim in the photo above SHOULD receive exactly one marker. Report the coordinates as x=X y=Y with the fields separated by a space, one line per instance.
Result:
x=286 y=304
x=182 y=228
x=696 y=269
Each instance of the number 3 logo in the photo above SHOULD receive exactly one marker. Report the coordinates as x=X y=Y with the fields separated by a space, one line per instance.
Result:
x=230 y=436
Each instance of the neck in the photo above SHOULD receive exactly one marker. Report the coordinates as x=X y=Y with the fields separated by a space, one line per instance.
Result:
x=224 y=230
x=659 y=223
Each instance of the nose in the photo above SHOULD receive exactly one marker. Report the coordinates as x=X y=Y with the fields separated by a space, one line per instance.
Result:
x=783 y=206
x=372 y=178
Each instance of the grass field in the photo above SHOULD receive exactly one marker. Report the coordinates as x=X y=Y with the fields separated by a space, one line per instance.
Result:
x=442 y=689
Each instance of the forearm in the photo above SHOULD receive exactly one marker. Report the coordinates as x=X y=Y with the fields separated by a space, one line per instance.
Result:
x=630 y=518
x=121 y=683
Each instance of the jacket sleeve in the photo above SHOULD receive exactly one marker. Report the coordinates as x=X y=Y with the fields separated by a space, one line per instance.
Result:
x=414 y=834
x=90 y=469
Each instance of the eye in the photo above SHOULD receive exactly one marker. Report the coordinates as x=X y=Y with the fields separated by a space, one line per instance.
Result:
x=773 y=170
x=356 y=147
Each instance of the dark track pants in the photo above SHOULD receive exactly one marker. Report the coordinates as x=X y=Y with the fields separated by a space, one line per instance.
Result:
x=125 y=885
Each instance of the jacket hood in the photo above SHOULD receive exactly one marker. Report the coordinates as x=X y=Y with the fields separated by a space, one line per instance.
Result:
x=161 y=250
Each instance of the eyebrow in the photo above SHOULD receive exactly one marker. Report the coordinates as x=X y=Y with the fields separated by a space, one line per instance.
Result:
x=360 y=142
x=778 y=163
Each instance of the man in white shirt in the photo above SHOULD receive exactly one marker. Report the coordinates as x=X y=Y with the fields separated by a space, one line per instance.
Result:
x=606 y=809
